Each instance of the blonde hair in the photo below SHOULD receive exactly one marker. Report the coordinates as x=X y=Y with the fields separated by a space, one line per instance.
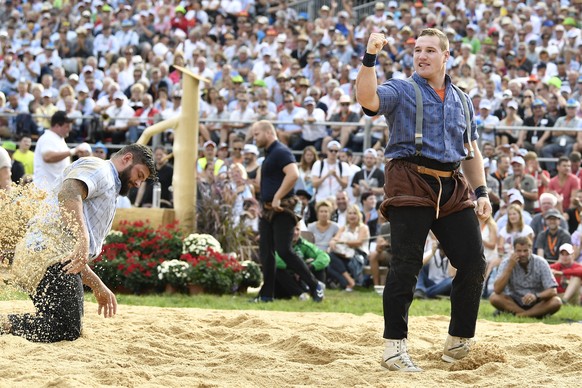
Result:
x=356 y=208
x=514 y=227
x=444 y=41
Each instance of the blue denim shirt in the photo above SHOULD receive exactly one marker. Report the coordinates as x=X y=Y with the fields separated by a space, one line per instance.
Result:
x=443 y=124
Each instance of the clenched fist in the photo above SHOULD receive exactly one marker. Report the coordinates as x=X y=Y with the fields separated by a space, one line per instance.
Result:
x=376 y=42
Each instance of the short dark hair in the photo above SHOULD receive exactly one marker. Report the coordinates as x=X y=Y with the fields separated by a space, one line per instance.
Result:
x=141 y=155
x=563 y=159
x=523 y=240
x=366 y=195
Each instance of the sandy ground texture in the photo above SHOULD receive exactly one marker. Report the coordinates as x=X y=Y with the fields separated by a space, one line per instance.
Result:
x=166 y=347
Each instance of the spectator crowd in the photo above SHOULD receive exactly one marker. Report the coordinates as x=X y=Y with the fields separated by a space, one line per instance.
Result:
x=110 y=66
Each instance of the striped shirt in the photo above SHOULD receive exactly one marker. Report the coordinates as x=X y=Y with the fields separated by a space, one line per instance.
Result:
x=443 y=124
x=103 y=184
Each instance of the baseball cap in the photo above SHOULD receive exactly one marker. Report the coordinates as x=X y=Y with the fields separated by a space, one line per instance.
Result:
x=518 y=160
x=87 y=68
x=46 y=93
x=345 y=99
x=9 y=146
x=538 y=102
x=567 y=247
x=572 y=103
x=309 y=101
x=485 y=104
x=514 y=195
x=303 y=193
x=250 y=149
x=118 y=95
x=333 y=144
x=209 y=143
x=553 y=213
x=59 y=118
x=83 y=89
x=371 y=152
x=100 y=146
x=507 y=94
x=512 y=104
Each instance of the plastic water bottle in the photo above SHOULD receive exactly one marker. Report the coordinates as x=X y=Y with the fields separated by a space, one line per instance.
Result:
x=157 y=195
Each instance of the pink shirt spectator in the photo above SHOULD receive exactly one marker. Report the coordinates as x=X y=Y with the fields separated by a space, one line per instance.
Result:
x=571 y=183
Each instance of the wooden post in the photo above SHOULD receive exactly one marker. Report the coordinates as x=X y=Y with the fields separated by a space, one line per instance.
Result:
x=185 y=149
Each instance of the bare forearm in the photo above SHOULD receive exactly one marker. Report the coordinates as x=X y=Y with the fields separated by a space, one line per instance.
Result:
x=473 y=169
x=55 y=157
x=90 y=278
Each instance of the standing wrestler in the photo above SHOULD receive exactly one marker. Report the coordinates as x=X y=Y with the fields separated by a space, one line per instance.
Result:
x=277 y=224
x=425 y=189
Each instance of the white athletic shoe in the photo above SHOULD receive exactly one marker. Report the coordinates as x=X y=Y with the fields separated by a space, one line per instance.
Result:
x=396 y=357
x=456 y=348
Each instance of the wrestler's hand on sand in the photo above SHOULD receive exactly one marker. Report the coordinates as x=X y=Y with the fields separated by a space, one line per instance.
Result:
x=106 y=300
x=376 y=42
x=77 y=260
x=483 y=208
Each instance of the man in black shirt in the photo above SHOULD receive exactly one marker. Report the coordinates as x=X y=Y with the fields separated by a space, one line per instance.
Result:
x=277 y=178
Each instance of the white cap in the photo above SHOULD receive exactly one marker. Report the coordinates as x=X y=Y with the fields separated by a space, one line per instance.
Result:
x=370 y=152
x=486 y=163
x=518 y=160
x=46 y=93
x=334 y=144
x=485 y=104
x=514 y=195
x=84 y=147
x=87 y=68
x=209 y=142
x=507 y=94
x=567 y=247
x=250 y=149
x=74 y=77
x=82 y=89
x=512 y=104
x=118 y=95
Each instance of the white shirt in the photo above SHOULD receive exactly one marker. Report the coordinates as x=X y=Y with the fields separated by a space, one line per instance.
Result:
x=103 y=185
x=330 y=185
x=312 y=132
x=4 y=159
x=45 y=174
x=126 y=112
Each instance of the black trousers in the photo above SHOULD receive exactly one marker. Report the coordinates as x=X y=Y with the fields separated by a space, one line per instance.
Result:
x=59 y=309
x=460 y=236
x=287 y=285
x=276 y=235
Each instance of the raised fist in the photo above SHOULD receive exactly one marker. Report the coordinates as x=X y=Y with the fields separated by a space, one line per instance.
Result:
x=375 y=43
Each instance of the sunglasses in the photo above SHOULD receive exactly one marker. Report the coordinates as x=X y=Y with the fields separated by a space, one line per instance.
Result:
x=333 y=151
x=261 y=106
x=287 y=101
x=237 y=149
x=345 y=104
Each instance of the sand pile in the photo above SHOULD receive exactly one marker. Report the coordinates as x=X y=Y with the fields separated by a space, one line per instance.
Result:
x=165 y=347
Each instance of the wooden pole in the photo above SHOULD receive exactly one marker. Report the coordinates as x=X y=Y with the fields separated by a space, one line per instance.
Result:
x=185 y=149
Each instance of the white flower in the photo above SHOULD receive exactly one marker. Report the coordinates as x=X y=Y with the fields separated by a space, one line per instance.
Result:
x=115 y=233
x=173 y=270
x=197 y=244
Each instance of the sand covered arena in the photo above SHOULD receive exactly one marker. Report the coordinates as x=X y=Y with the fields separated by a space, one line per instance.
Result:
x=167 y=347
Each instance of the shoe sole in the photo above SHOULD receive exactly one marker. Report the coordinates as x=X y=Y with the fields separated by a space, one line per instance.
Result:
x=450 y=359
x=383 y=363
